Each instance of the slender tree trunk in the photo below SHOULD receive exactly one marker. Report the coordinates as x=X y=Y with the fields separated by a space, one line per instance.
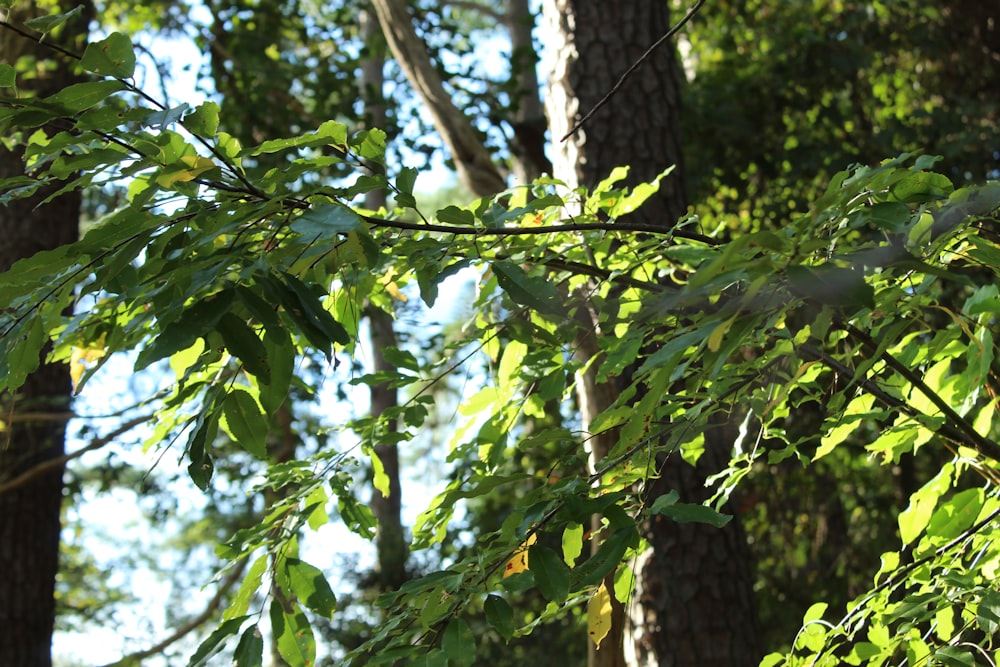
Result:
x=527 y=111
x=693 y=604
x=33 y=417
x=390 y=540
x=472 y=159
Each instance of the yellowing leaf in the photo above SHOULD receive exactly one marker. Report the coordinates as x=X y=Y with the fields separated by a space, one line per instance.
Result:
x=197 y=166
x=599 y=615
x=519 y=563
x=393 y=289
x=79 y=360
x=715 y=338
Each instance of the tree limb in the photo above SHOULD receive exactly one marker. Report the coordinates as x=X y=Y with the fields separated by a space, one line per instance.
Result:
x=472 y=159
x=190 y=626
x=58 y=463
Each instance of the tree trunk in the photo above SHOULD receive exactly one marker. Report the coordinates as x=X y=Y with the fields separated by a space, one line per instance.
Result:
x=390 y=540
x=693 y=603
x=34 y=416
x=527 y=113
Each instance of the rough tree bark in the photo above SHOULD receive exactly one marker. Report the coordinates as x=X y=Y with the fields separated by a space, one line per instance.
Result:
x=33 y=417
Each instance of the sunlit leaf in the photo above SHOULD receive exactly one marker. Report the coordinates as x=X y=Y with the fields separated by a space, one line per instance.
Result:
x=519 y=561
x=599 y=615
x=111 y=56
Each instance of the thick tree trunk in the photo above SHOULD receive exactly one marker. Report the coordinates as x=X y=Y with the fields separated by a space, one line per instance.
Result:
x=34 y=416
x=592 y=44
x=693 y=603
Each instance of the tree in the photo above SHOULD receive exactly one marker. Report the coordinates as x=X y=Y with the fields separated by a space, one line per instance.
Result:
x=36 y=409
x=259 y=263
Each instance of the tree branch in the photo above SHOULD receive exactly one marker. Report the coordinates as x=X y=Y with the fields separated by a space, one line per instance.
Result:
x=190 y=626
x=58 y=463
x=668 y=232
x=472 y=159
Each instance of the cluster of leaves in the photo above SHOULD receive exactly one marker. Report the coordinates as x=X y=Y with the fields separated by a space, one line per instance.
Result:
x=230 y=266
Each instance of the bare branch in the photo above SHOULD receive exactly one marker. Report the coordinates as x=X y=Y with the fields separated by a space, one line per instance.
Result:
x=668 y=232
x=57 y=464
x=190 y=626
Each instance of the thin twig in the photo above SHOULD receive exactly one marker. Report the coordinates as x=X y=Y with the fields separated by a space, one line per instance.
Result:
x=631 y=70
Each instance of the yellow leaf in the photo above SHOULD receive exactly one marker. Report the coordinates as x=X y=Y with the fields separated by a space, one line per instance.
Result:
x=599 y=615
x=519 y=563
x=393 y=289
x=79 y=360
x=715 y=338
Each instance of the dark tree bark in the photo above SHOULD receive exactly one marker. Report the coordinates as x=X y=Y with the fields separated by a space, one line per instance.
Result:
x=34 y=416
x=593 y=43
x=693 y=604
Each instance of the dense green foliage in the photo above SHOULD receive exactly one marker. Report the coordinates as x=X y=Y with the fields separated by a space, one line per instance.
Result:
x=859 y=331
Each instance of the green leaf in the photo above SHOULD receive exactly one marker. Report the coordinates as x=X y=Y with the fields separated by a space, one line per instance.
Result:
x=551 y=573
x=204 y=120
x=281 y=357
x=293 y=635
x=248 y=588
x=572 y=543
x=500 y=615
x=250 y=651
x=112 y=56
x=213 y=644
x=326 y=220
x=831 y=285
x=458 y=644
x=453 y=215
x=668 y=506
x=956 y=515
x=201 y=467
x=955 y=656
x=245 y=422
x=8 y=76
x=27 y=350
x=311 y=587
x=988 y=613
x=49 y=23
x=535 y=293
x=306 y=309
x=193 y=323
x=405 y=181
x=921 y=186
x=80 y=96
x=244 y=344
